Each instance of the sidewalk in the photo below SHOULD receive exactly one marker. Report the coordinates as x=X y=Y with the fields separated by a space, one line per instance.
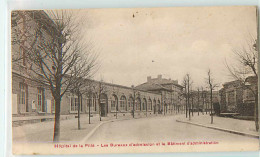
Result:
x=22 y=120
x=43 y=131
x=236 y=126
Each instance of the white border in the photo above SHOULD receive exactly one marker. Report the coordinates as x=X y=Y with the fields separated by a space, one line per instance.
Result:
x=5 y=66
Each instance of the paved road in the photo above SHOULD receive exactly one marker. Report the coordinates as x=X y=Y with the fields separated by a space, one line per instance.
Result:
x=161 y=129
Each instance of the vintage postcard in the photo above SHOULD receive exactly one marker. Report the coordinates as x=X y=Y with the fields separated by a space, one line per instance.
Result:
x=135 y=80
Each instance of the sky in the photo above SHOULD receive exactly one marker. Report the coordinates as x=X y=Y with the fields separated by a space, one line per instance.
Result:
x=136 y=43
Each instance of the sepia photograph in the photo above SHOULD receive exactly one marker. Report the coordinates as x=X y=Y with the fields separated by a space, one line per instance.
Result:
x=134 y=80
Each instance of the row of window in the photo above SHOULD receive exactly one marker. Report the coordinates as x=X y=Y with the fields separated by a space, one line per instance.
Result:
x=39 y=105
x=122 y=106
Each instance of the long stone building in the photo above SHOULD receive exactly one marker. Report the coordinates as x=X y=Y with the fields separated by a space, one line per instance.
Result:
x=31 y=97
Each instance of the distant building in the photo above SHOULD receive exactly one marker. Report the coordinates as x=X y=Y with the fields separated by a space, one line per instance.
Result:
x=169 y=90
x=239 y=98
x=200 y=100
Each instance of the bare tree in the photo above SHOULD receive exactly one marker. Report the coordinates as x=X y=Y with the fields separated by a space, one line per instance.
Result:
x=212 y=86
x=247 y=65
x=21 y=32
x=184 y=94
x=187 y=83
x=198 y=95
x=203 y=99
x=57 y=49
x=192 y=95
x=82 y=84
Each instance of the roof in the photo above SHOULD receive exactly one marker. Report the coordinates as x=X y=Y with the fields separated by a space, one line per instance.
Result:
x=152 y=87
x=176 y=84
x=231 y=82
x=251 y=79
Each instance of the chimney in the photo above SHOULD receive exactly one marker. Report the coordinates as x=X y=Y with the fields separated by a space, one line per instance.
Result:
x=159 y=77
x=149 y=78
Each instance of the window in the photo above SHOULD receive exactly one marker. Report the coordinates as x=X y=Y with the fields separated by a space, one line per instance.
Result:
x=114 y=104
x=92 y=103
x=123 y=103
x=40 y=99
x=144 y=104
x=74 y=103
x=159 y=105
x=53 y=106
x=22 y=55
x=154 y=102
x=138 y=104
x=23 y=98
x=149 y=104
x=130 y=104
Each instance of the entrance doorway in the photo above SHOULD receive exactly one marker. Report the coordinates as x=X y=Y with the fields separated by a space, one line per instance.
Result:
x=103 y=104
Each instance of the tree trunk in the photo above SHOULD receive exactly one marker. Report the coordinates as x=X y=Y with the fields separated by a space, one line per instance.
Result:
x=56 y=136
x=256 y=112
x=186 y=108
x=198 y=102
x=211 y=106
x=78 y=111
x=89 y=100
x=116 y=109
x=192 y=106
x=203 y=103
x=189 y=114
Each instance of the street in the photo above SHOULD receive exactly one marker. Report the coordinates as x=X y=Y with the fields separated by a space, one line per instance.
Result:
x=161 y=129
x=135 y=135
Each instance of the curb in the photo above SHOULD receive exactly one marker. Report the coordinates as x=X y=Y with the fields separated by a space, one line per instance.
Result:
x=104 y=122
x=100 y=124
x=92 y=132
x=221 y=129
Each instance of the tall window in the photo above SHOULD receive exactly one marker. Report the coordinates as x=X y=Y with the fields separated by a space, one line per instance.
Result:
x=75 y=102
x=130 y=104
x=159 y=105
x=40 y=99
x=114 y=102
x=92 y=103
x=144 y=104
x=23 y=98
x=22 y=55
x=123 y=103
x=138 y=104
x=149 y=104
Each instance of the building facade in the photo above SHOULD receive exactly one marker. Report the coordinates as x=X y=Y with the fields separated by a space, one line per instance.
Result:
x=169 y=90
x=28 y=96
x=238 y=97
x=33 y=97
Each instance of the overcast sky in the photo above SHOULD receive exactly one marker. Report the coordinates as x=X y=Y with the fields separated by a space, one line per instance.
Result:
x=136 y=43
